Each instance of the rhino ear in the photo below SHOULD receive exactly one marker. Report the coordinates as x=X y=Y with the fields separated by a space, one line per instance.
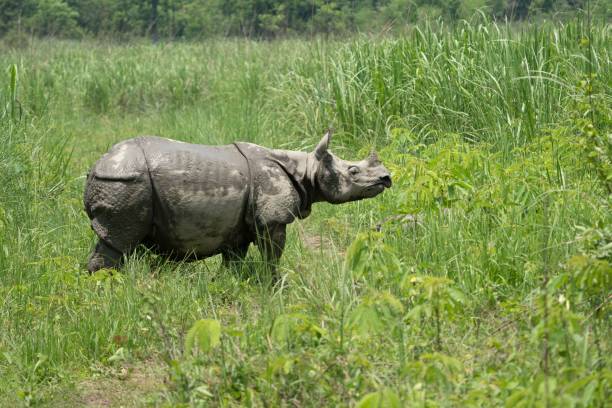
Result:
x=321 y=149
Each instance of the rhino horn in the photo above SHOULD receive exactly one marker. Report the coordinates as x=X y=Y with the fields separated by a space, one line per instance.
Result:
x=321 y=149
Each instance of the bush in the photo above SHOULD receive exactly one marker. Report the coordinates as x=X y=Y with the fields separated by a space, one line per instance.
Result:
x=54 y=18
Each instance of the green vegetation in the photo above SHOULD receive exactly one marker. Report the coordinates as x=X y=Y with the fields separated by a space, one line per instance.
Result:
x=482 y=278
x=195 y=19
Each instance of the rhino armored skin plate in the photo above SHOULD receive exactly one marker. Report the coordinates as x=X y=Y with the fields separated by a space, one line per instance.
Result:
x=191 y=201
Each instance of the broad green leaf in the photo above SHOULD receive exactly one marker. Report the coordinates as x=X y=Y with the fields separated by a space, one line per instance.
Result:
x=580 y=384
x=356 y=255
x=517 y=398
x=281 y=364
x=417 y=311
x=457 y=295
x=205 y=333
x=380 y=399
x=391 y=302
x=284 y=325
x=364 y=320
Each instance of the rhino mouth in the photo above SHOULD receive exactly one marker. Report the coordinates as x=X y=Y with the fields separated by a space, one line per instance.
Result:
x=375 y=189
x=383 y=182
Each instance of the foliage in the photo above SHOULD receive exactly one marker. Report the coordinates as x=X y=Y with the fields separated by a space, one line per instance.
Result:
x=256 y=18
x=481 y=278
x=204 y=333
x=54 y=18
x=384 y=398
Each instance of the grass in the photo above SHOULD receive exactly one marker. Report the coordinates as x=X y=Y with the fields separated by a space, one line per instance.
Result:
x=468 y=283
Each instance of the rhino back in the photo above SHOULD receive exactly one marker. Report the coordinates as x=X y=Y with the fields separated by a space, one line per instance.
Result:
x=123 y=161
x=200 y=196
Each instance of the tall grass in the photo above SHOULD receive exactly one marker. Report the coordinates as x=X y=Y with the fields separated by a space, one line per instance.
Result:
x=493 y=83
x=477 y=124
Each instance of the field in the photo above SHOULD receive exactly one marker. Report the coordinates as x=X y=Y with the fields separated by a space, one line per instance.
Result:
x=481 y=278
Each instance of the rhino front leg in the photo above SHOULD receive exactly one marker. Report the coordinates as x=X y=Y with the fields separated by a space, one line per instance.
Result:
x=271 y=243
x=233 y=256
x=103 y=256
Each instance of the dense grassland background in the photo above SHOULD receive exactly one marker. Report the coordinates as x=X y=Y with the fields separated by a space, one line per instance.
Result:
x=482 y=278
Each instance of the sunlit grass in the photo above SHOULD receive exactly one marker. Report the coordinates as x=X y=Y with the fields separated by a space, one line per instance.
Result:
x=476 y=124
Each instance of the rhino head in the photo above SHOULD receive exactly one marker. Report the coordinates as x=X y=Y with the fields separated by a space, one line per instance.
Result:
x=340 y=181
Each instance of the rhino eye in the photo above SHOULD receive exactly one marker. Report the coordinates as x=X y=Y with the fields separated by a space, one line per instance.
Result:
x=353 y=170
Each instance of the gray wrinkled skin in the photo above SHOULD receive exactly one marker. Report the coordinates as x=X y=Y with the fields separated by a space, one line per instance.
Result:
x=193 y=201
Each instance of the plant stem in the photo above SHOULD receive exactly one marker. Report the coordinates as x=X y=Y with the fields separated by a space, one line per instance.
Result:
x=437 y=317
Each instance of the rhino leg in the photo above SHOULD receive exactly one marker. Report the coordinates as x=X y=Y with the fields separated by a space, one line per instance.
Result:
x=103 y=256
x=121 y=215
x=233 y=256
x=271 y=243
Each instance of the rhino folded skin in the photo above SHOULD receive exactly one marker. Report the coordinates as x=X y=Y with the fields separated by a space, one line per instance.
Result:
x=193 y=201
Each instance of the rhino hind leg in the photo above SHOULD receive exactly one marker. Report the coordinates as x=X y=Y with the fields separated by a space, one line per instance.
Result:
x=121 y=215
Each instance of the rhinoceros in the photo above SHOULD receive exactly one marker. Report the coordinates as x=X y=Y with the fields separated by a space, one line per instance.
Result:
x=192 y=201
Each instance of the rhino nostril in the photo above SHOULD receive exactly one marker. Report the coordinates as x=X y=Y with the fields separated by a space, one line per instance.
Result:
x=386 y=180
